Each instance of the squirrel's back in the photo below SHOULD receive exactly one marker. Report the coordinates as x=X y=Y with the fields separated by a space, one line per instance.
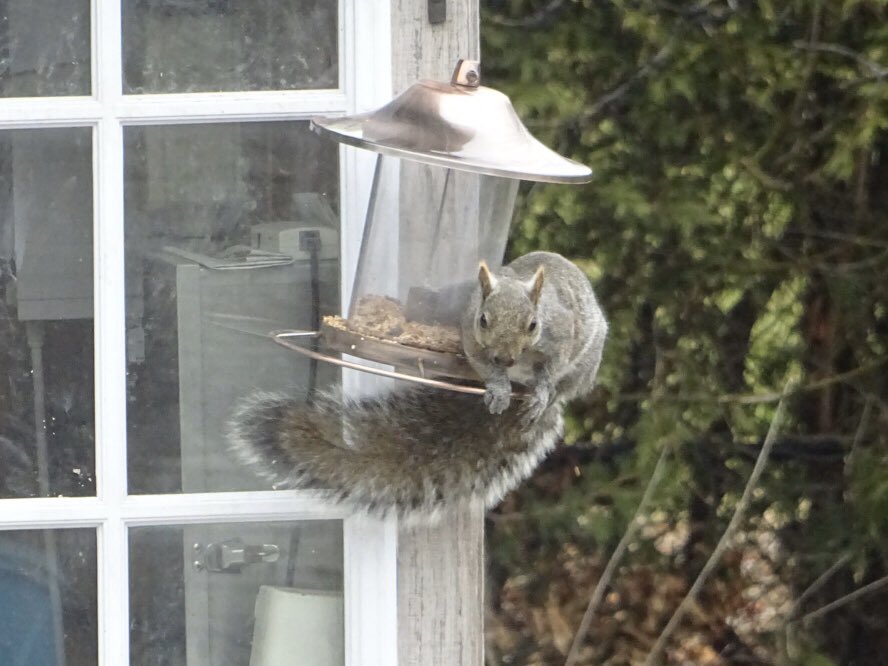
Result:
x=571 y=288
x=409 y=453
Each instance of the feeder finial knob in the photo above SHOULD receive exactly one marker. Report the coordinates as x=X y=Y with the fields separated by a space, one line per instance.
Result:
x=467 y=73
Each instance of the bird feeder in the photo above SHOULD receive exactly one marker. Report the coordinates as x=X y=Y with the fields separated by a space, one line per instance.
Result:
x=450 y=158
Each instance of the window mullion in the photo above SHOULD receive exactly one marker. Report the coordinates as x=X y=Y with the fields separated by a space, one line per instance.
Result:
x=113 y=592
x=371 y=600
x=370 y=546
x=194 y=508
x=49 y=112
x=371 y=636
x=110 y=362
x=51 y=513
x=229 y=106
x=110 y=342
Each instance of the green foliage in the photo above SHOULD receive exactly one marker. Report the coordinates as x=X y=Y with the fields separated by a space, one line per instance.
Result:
x=737 y=233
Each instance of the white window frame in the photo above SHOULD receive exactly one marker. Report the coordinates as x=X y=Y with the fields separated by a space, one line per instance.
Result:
x=369 y=545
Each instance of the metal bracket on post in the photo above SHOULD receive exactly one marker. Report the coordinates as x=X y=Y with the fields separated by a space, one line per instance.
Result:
x=437 y=11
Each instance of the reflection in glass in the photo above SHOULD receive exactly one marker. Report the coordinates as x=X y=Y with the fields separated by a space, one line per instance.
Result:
x=46 y=331
x=180 y=46
x=45 y=48
x=48 y=597
x=257 y=594
x=203 y=203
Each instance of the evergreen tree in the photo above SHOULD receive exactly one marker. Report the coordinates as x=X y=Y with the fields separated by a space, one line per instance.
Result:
x=737 y=232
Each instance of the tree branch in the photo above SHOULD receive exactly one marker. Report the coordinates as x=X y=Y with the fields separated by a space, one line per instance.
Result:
x=538 y=19
x=758 y=398
x=745 y=500
x=847 y=599
x=620 y=91
x=876 y=70
x=625 y=540
x=817 y=584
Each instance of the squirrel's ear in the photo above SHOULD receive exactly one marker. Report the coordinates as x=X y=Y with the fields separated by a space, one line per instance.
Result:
x=486 y=278
x=535 y=286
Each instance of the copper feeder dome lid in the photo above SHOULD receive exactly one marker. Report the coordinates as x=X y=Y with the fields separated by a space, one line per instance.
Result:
x=459 y=125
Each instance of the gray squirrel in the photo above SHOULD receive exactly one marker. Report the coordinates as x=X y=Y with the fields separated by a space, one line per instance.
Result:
x=417 y=450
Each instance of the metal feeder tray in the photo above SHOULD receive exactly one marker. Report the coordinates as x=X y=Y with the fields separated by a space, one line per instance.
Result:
x=417 y=363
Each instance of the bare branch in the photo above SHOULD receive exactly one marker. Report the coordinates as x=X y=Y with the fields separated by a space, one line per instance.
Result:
x=847 y=599
x=855 y=239
x=620 y=91
x=745 y=500
x=791 y=624
x=614 y=561
x=876 y=70
x=766 y=179
x=758 y=398
x=858 y=438
x=538 y=19
x=817 y=584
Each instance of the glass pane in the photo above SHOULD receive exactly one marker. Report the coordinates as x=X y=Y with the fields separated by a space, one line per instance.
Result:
x=48 y=598
x=44 y=48
x=179 y=46
x=47 y=426
x=258 y=594
x=201 y=199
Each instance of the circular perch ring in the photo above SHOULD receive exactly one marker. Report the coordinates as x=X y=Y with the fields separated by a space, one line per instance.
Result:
x=289 y=339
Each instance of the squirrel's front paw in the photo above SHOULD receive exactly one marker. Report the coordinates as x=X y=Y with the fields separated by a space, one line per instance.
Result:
x=536 y=403
x=497 y=398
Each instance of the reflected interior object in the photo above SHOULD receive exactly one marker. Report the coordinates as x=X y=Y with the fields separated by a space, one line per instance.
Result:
x=230 y=231
x=48 y=614
x=30 y=615
x=232 y=594
x=298 y=626
x=211 y=311
x=188 y=46
x=450 y=158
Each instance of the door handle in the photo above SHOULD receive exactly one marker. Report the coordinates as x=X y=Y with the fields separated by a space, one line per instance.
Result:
x=232 y=555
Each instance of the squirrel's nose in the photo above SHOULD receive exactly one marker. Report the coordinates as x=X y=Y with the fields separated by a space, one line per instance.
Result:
x=505 y=361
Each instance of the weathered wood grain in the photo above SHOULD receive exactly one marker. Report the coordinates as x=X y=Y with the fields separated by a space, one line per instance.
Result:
x=440 y=567
x=421 y=50
x=440 y=591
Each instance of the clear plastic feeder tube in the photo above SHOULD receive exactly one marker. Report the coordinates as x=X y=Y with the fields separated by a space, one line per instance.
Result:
x=427 y=229
x=450 y=157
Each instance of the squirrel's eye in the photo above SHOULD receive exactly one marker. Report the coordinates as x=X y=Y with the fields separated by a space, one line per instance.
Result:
x=482 y=322
x=532 y=325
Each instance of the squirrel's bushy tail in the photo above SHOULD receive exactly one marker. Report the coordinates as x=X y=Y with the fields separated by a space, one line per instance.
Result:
x=411 y=452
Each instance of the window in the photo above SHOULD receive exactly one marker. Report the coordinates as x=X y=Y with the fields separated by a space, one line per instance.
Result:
x=146 y=147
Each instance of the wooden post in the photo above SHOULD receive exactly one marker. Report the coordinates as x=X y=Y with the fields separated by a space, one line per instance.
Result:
x=440 y=567
x=440 y=591
x=421 y=50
